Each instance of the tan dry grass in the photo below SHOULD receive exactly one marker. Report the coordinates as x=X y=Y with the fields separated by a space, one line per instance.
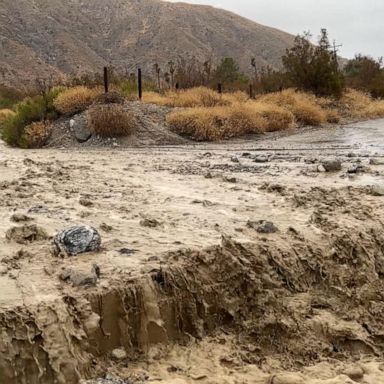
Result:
x=303 y=105
x=189 y=98
x=75 y=100
x=111 y=120
x=223 y=122
x=359 y=105
x=5 y=114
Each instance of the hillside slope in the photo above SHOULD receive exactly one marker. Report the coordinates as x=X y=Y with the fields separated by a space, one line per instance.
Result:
x=39 y=37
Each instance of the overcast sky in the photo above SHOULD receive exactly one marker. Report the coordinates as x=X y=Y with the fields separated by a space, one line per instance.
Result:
x=357 y=24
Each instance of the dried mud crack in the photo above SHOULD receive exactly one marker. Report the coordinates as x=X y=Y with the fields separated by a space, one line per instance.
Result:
x=209 y=294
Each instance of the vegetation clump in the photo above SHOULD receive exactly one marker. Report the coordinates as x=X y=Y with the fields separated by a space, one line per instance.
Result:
x=224 y=122
x=111 y=120
x=76 y=100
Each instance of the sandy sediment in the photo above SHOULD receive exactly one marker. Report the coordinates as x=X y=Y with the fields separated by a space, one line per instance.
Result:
x=190 y=288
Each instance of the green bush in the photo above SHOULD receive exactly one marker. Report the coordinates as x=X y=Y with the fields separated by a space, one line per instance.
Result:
x=30 y=110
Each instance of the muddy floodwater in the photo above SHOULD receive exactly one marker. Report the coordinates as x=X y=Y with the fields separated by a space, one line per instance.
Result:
x=248 y=261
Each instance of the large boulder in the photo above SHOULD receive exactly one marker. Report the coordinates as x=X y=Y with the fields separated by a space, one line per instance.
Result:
x=79 y=128
x=76 y=240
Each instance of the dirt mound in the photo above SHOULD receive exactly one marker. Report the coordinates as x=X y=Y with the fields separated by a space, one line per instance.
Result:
x=152 y=129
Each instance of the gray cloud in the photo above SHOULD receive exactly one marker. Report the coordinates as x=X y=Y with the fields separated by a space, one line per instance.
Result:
x=356 y=24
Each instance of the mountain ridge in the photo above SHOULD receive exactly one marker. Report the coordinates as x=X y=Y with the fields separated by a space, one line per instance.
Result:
x=39 y=38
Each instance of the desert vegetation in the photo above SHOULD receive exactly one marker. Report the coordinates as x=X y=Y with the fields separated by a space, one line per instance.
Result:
x=210 y=101
x=111 y=120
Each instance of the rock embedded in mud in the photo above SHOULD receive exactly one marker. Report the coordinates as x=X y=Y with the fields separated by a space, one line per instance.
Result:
x=119 y=354
x=287 y=378
x=85 y=202
x=377 y=190
x=26 y=234
x=235 y=159
x=150 y=223
x=79 y=279
x=261 y=159
x=263 y=226
x=19 y=217
x=332 y=165
x=354 y=373
x=77 y=240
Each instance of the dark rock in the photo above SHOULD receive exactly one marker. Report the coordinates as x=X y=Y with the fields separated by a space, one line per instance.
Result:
x=76 y=240
x=235 y=159
x=263 y=226
x=355 y=168
x=26 y=234
x=246 y=154
x=106 y=228
x=208 y=175
x=150 y=223
x=230 y=179
x=85 y=202
x=126 y=251
x=333 y=165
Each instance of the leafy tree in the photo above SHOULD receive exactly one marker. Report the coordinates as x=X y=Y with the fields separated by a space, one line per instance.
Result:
x=314 y=68
x=367 y=74
x=228 y=73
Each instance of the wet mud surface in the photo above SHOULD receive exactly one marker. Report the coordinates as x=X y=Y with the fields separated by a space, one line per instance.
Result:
x=239 y=262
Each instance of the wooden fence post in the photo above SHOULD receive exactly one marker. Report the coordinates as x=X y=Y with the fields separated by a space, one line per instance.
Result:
x=140 y=83
x=251 y=91
x=106 y=83
x=220 y=88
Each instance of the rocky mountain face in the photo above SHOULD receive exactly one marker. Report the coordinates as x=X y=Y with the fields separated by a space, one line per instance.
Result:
x=39 y=38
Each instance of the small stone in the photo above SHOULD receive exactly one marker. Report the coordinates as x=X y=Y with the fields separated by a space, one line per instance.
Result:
x=331 y=165
x=235 y=159
x=85 y=202
x=208 y=175
x=3 y=270
x=320 y=168
x=355 y=168
x=106 y=228
x=263 y=226
x=79 y=278
x=119 y=354
x=261 y=159
x=76 y=240
x=126 y=251
x=149 y=223
x=230 y=179
x=377 y=190
x=19 y=217
x=246 y=154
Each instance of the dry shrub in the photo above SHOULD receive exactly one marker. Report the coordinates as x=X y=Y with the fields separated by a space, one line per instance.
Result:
x=75 y=100
x=111 y=120
x=302 y=105
x=235 y=97
x=5 y=114
x=36 y=134
x=224 y=122
x=189 y=98
x=155 y=98
x=359 y=105
x=333 y=115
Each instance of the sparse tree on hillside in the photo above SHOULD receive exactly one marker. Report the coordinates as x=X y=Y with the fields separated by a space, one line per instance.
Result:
x=254 y=66
x=228 y=73
x=313 y=68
